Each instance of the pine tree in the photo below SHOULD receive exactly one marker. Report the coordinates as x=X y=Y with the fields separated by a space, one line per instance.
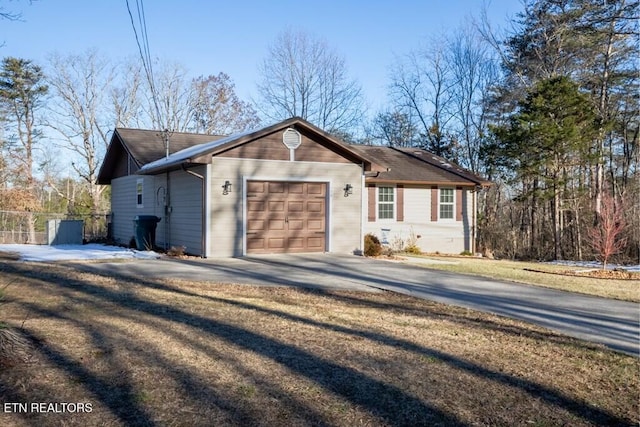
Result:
x=21 y=94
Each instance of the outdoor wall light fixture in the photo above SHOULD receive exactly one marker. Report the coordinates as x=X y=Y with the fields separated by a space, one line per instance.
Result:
x=226 y=188
x=348 y=189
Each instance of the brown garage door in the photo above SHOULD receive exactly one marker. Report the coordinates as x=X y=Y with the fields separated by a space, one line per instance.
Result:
x=286 y=216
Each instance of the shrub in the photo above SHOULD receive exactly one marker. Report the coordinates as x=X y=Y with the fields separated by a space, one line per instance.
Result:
x=412 y=244
x=177 y=251
x=397 y=244
x=14 y=347
x=465 y=253
x=372 y=246
x=413 y=249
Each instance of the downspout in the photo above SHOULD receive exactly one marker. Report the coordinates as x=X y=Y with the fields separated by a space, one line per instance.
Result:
x=167 y=214
x=167 y=206
x=474 y=223
x=473 y=220
x=203 y=214
x=363 y=210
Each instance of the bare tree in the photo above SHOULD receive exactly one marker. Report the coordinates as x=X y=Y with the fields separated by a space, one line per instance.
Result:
x=473 y=71
x=395 y=128
x=8 y=15
x=79 y=114
x=217 y=108
x=174 y=94
x=125 y=96
x=302 y=76
x=204 y=104
x=421 y=83
x=606 y=237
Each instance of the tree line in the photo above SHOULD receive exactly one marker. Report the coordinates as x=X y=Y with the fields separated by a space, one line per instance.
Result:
x=547 y=110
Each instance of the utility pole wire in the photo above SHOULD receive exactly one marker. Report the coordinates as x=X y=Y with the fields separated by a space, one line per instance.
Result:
x=145 y=56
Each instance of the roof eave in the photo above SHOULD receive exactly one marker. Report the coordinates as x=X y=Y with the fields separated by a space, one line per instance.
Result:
x=108 y=160
x=170 y=167
x=373 y=180
x=206 y=155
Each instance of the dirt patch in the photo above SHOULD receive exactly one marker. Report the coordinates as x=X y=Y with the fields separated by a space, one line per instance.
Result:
x=9 y=256
x=606 y=274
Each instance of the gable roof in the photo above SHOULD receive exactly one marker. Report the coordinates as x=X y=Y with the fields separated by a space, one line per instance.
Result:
x=200 y=154
x=145 y=146
x=383 y=164
x=416 y=166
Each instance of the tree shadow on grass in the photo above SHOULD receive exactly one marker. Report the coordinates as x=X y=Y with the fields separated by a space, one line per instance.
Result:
x=253 y=275
x=615 y=331
x=397 y=407
x=388 y=402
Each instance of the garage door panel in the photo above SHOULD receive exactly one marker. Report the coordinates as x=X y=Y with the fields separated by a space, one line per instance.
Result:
x=316 y=206
x=255 y=224
x=255 y=243
x=276 y=206
x=256 y=206
x=276 y=187
x=276 y=243
x=315 y=225
x=295 y=206
x=276 y=224
x=255 y=187
x=285 y=216
x=316 y=188
x=296 y=224
x=296 y=188
x=296 y=243
x=316 y=243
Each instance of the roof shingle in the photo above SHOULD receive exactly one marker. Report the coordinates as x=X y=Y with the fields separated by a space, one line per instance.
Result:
x=414 y=165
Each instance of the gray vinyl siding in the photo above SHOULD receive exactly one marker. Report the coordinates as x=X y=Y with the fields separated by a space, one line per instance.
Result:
x=448 y=236
x=186 y=213
x=182 y=195
x=124 y=205
x=227 y=211
x=183 y=227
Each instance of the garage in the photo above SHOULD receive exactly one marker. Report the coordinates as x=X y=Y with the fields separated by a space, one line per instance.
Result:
x=285 y=216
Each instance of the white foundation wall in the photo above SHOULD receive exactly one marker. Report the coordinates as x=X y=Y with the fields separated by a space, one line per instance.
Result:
x=227 y=212
x=448 y=237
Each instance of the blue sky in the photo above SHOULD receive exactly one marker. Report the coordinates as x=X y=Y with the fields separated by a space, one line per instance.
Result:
x=233 y=36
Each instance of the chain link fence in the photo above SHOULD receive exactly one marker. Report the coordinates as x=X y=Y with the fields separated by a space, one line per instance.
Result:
x=30 y=227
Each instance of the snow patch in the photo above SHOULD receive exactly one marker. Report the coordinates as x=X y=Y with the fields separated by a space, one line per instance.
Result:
x=595 y=265
x=92 y=251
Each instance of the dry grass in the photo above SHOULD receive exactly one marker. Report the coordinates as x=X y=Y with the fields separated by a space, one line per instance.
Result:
x=547 y=275
x=189 y=354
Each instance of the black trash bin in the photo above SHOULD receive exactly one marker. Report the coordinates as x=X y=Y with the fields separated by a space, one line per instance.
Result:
x=145 y=226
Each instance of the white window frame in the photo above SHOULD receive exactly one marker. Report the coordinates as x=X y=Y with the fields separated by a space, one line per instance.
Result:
x=140 y=193
x=392 y=203
x=452 y=203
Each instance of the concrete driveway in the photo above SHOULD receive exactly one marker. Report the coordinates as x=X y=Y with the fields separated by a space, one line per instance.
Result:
x=613 y=323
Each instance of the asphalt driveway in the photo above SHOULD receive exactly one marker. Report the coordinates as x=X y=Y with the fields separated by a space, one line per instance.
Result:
x=610 y=322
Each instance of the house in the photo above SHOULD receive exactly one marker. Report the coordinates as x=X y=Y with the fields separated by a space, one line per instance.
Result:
x=288 y=187
x=420 y=198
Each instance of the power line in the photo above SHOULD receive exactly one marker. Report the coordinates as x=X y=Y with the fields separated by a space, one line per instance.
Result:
x=145 y=55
